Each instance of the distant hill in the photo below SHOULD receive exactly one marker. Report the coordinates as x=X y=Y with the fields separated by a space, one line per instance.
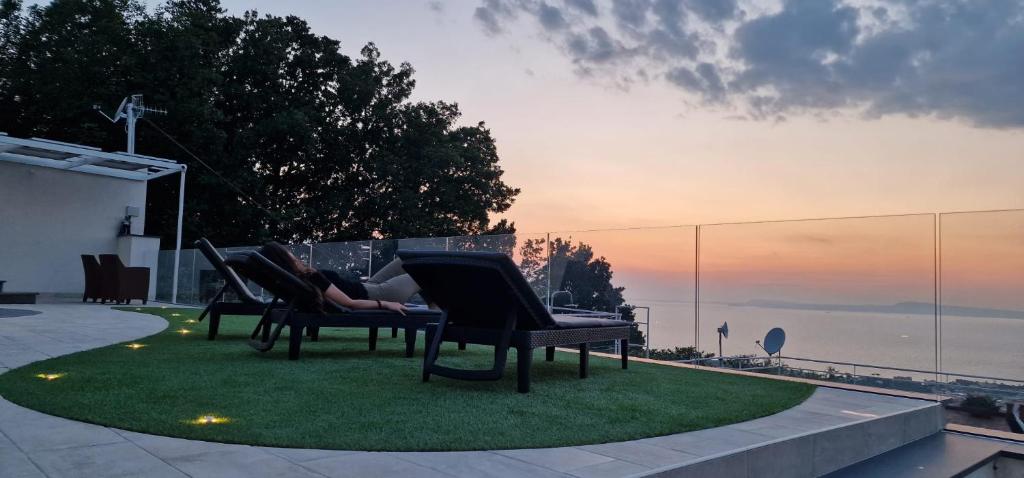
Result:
x=919 y=308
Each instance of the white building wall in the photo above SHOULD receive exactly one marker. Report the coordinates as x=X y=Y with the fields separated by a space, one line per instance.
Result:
x=49 y=217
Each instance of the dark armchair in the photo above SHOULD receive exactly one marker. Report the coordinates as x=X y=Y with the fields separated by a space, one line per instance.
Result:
x=91 y=266
x=120 y=283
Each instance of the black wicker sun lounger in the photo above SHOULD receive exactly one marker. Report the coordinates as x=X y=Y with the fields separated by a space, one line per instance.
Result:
x=296 y=312
x=248 y=303
x=486 y=300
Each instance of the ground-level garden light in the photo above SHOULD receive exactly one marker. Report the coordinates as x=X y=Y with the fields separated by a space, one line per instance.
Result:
x=50 y=376
x=134 y=346
x=209 y=420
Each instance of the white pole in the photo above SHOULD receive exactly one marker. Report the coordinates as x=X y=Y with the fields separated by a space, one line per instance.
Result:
x=130 y=119
x=177 y=244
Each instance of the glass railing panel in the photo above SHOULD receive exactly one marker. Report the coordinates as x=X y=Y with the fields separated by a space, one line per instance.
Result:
x=424 y=244
x=646 y=275
x=982 y=321
x=846 y=292
x=186 y=276
x=529 y=252
x=206 y=279
x=301 y=251
x=164 y=275
x=382 y=253
x=352 y=257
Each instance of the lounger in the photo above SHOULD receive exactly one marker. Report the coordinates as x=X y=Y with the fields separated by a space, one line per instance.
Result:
x=296 y=311
x=486 y=300
x=248 y=303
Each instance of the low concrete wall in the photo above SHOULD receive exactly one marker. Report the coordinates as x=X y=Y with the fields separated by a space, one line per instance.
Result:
x=49 y=217
x=820 y=452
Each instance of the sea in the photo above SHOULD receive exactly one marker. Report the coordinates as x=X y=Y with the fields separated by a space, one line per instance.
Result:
x=977 y=346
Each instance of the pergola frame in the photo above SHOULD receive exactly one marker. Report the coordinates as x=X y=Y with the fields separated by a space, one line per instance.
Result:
x=89 y=160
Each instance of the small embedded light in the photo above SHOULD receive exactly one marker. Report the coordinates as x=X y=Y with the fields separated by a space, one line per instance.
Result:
x=138 y=308
x=135 y=346
x=163 y=306
x=191 y=321
x=175 y=315
x=208 y=420
x=184 y=331
x=49 y=376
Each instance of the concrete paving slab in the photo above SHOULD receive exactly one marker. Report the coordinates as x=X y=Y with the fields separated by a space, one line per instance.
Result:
x=168 y=448
x=371 y=465
x=478 y=463
x=33 y=431
x=113 y=460
x=640 y=453
x=708 y=442
x=558 y=459
x=301 y=455
x=609 y=469
x=246 y=462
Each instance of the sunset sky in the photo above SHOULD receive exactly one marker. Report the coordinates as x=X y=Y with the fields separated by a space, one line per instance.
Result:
x=657 y=113
x=641 y=114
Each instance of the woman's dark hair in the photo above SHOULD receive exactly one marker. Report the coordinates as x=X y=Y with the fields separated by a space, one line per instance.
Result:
x=284 y=259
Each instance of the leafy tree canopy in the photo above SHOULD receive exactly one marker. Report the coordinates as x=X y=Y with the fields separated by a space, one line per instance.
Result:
x=575 y=269
x=331 y=146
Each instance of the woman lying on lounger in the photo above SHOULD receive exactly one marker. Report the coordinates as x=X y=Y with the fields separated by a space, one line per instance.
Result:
x=387 y=289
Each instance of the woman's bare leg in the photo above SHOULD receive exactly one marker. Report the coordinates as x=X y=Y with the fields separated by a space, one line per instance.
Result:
x=391 y=270
x=397 y=289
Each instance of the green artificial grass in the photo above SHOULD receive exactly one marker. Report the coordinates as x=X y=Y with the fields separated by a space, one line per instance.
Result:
x=339 y=395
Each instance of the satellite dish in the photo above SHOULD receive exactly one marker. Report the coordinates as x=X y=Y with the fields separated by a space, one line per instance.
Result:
x=774 y=341
x=723 y=331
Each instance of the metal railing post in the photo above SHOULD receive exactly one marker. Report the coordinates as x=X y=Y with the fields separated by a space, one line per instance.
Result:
x=547 y=246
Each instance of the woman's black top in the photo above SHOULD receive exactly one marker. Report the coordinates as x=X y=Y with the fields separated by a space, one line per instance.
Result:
x=354 y=289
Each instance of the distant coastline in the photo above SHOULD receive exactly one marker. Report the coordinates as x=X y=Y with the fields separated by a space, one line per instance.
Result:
x=916 y=308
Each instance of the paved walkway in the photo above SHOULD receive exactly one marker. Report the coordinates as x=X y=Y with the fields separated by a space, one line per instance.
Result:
x=33 y=444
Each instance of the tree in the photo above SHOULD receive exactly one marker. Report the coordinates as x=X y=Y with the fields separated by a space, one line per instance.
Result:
x=575 y=269
x=323 y=147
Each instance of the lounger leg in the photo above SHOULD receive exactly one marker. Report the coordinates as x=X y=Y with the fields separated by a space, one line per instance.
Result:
x=624 y=346
x=584 y=360
x=428 y=340
x=213 y=303
x=549 y=354
x=314 y=334
x=434 y=336
x=462 y=344
x=524 y=359
x=394 y=332
x=294 y=341
x=410 y=341
x=214 y=325
x=265 y=337
x=373 y=338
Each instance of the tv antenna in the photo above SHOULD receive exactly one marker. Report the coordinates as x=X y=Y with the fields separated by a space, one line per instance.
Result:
x=131 y=109
x=723 y=332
